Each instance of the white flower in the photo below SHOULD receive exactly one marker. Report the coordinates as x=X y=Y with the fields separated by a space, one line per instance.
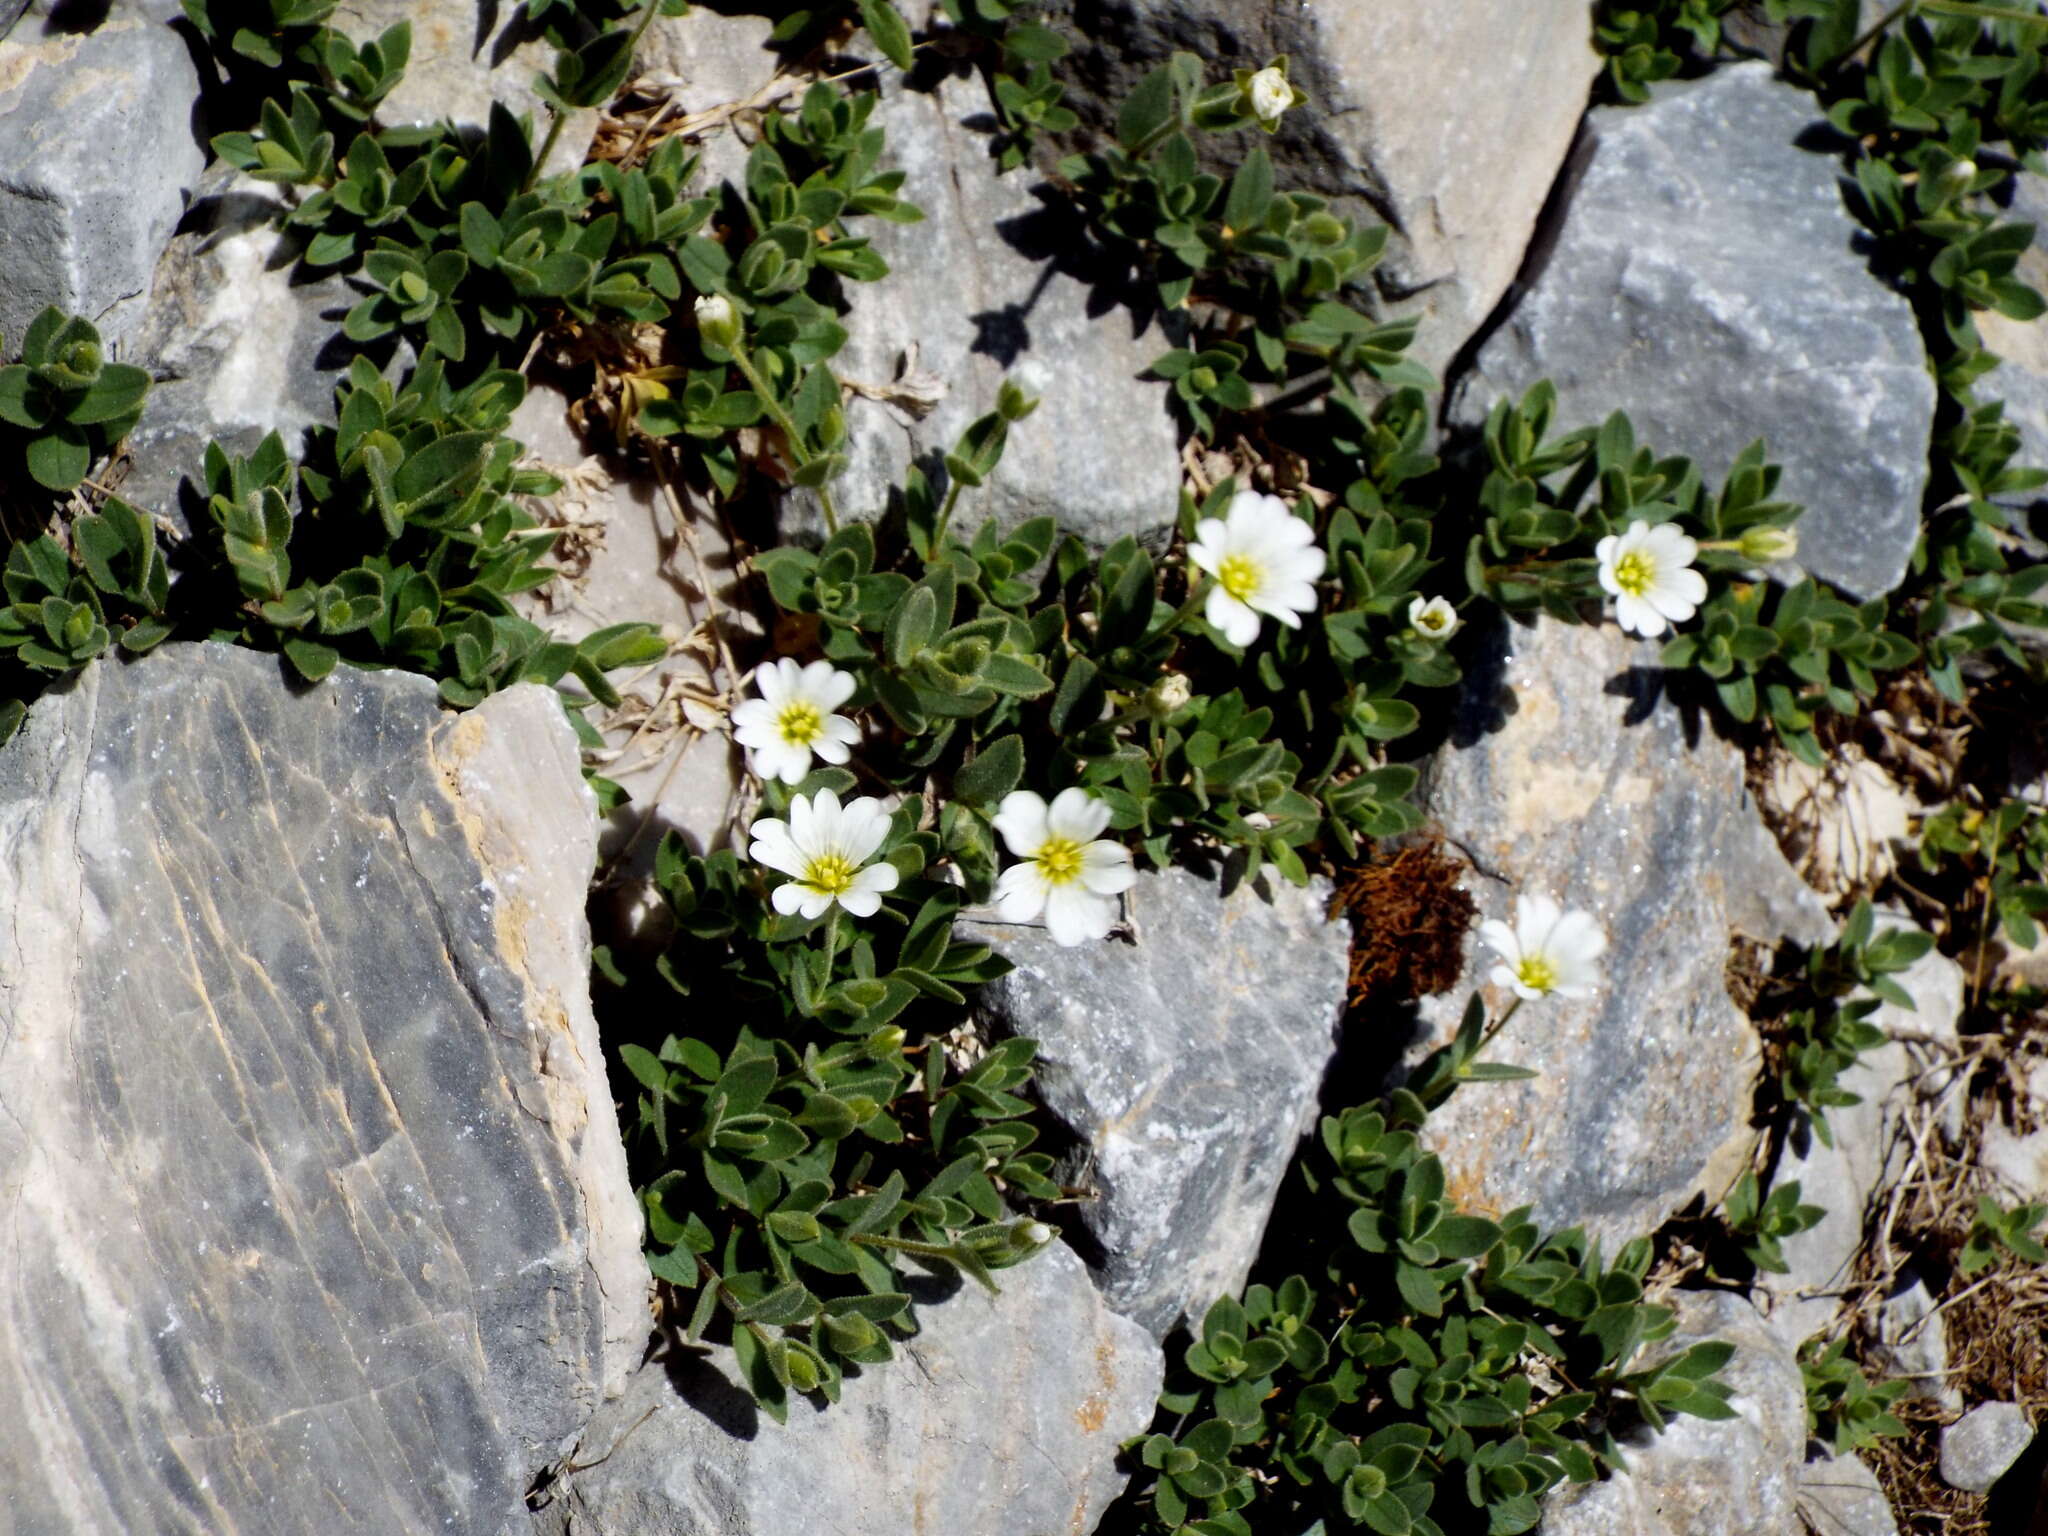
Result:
x=793 y=719
x=1263 y=559
x=1434 y=619
x=1068 y=873
x=1269 y=94
x=1649 y=571
x=1548 y=950
x=822 y=848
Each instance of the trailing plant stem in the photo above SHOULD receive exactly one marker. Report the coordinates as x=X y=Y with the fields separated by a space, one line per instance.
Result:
x=785 y=421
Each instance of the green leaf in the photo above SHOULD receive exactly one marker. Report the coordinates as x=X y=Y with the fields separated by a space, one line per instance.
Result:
x=891 y=34
x=996 y=771
x=59 y=458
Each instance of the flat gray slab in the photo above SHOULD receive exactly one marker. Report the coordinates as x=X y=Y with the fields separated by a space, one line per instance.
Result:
x=1187 y=1064
x=313 y=1211
x=979 y=292
x=1571 y=775
x=1002 y=1417
x=97 y=156
x=1707 y=279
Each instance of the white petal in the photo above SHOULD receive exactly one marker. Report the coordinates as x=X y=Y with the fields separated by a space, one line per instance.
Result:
x=1021 y=819
x=1669 y=545
x=777 y=681
x=780 y=760
x=829 y=750
x=786 y=898
x=752 y=715
x=878 y=877
x=862 y=827
x=1074 y=916
x=811 y=902
x=1020 y=893
x=1076 y=814
x=1210 y=544
x=1106 y=869
x=1579 y=933
x=803 y=822
x=773 y=848
x=1604 y=551
x=1535 y=916
x=1637 y=616
x=1498 y=937
x=840 y=729
x=826 y=686
x=1501 y=976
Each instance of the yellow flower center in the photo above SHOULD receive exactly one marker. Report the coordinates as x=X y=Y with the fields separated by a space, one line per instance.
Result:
x=1240 y=577
x=800 y=724
x=1059 y=860
x=830 y=873
x=1433 y=619
x=1634 y=572
x=1536 y=973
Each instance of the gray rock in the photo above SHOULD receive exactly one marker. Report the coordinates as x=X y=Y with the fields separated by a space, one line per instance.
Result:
x=625 y=559
x=1004 y=1414
x=1448 y=122
x=1980 y=1447
x=463 y=60
x=1187 y=1064
x=1840 y=1496
x=1869 y=1152
x=1912 y=1342
x=97 y=157
x=1576 y=779
x=978 y=292
x=2021 y=379
x=1706 y=280
x=316 y=1215
x=240 y=345
x=1727 y=1477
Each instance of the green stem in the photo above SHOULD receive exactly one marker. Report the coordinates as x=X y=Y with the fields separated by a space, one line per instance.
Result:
x=1904 y=8
x=1495 y=1028
x=1984 y=12
x=831 y=941
x=946 y=516
x=775 y=408
x=556 y=120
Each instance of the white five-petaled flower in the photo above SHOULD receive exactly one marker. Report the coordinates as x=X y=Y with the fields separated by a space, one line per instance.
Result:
x=1262 y=559
x=1069 y=873
x=1433 y=619
x=824 y=848
x=1548 y=950
x=793 y=719
x=1270 y=93
x=1649 y=571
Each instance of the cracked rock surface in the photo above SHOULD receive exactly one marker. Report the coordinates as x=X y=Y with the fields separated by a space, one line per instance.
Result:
x=313 y=1211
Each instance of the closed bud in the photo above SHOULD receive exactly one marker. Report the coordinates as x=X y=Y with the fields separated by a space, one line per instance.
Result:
x=1171 y=692
x=717 y=321
x=886 y=1041
x=1767 y=546
x=1027 y=1235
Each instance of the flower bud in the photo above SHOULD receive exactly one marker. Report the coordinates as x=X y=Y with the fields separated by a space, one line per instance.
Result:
x=717 y=321
x=1433 y=618
x=1268 y=94
x=1957 y=175
x=1169 y=693
x=886 y=1041
x=1767 y=546
x=1027 y=1235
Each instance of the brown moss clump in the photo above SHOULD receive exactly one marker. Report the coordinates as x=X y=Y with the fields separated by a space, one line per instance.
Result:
x=1409 y=916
